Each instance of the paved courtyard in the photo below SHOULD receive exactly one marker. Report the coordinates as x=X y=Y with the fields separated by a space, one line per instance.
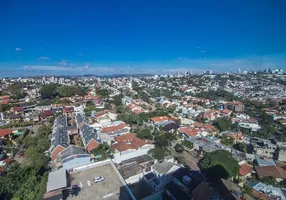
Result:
x=110 y=189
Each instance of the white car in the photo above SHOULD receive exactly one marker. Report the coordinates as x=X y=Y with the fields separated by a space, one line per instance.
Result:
x=98 y=179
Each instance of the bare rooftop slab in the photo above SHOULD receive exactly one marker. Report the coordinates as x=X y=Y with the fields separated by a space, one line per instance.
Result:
x=110 y=189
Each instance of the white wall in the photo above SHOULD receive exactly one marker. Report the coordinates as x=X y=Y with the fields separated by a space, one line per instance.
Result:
x=134 y=179
x=119 y=157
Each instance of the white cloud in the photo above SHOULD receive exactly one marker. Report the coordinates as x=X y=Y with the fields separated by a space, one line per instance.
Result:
x=181 y=64
x=43 y=58
x=63 y=62
x=80 y=54
x=203 y=51
x=18 y=49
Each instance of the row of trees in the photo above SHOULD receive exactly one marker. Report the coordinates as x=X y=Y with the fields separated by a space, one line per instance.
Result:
x=28 y=181
x=50 y=91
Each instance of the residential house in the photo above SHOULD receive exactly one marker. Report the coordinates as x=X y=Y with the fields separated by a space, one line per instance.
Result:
x=188 y=131
x=46 y=114
x=160 y=121
x=171 y=128
x=264 y=161
x=203 y=145
x=17 y=110
x=5 y=133
x=187 y=184
x=133 y=169
x=14 y=117
x=116 y=130
x=4 y=99
x=226 y=112
x=105 y=115
x=245 y=169
x=88 y=135
x=237 y=136
x=266 y=192
x=163 y=174
x=69 y=110
x=72 y=157
x=263 y=147
x=60 y=137
x=271 y=171
x=210 y=115
x=251 y=124
x=235 y=106
x=129 y=146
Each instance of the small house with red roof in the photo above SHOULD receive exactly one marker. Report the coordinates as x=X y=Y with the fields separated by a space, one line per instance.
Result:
x=129 y=146
x=162 y=120
x=188 y=131
x=4 y=100
x=47 y=114
x=245 y=169
x=5 y=133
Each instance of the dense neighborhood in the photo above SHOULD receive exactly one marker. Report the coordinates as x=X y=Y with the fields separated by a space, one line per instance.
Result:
x=206 y=136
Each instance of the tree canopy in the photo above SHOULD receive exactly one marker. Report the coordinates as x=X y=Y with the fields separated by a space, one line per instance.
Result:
x=227 y=140
x=16 y=90
x=28 y=181
x=157 y=153
x=145 y=134
x=220 y=164
x=223 y=123
x=49 y=91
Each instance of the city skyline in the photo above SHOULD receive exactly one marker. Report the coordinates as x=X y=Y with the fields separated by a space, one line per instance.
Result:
x=128 y=38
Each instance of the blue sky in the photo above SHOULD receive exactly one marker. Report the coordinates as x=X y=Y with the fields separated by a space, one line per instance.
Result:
x=136 y=36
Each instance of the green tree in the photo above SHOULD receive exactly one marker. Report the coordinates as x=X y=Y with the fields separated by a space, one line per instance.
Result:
x=188 y=144
x=240 y=147
x=220 y=164
x=157 y=153
x=103 y=150
x=223 y=123
x=49 y=91
x=103 y=92
x=227 y=140
x=161 y=141
x=16 y=90
x=145 y=134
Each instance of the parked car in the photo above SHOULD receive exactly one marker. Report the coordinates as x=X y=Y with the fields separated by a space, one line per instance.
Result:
x=98 y=179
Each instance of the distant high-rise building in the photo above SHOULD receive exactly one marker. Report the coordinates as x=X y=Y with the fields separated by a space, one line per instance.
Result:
x=43 y=79
x=207 y=72
x=239 y=71
x=52 y=79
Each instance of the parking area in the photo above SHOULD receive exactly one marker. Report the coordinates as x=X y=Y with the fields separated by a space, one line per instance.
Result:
x=110 y=189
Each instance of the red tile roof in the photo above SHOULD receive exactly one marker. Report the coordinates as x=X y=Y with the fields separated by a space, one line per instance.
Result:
x=4 y=132
x=226 y=111
x=160 y=119
x=100 y=113
x=245 y=169
x=18 y=109
x=4 y=97
x=68 y=109
x=113 y=128
x=47 y=113
x=190 y=131
x=128 y=141
x=271 y=171
x=93 y=144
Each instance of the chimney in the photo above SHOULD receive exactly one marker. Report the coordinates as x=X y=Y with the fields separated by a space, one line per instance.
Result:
x=265 y=158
